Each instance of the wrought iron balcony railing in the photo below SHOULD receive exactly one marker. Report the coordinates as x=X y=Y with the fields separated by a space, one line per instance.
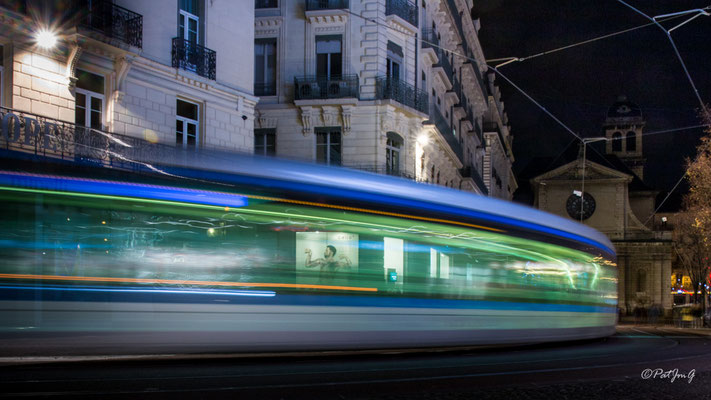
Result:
x=444 y=63
x=402 y=92
x=454 y=12
x=265 y=89
x=403 y=9
x=471 y=172
x=429 y=39
x=266 y=3
x=32 y=135
x=446 y=131
x=114 y=22
x=312 y=5
x=334 y=87
x=478 y=130
x=194 y=57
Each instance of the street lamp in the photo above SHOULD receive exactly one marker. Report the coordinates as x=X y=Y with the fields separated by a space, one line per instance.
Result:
x=46 y=39
x=582 y=189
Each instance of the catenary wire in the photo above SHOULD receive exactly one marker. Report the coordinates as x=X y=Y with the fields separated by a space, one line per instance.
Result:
x=517 y=59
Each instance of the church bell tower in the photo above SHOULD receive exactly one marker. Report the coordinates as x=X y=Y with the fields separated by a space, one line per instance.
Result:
x=623 y=128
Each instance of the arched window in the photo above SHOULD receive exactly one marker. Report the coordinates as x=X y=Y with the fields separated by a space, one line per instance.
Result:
x=641 y=280
x=617 y=141
x=392 y=153
x=631 y=141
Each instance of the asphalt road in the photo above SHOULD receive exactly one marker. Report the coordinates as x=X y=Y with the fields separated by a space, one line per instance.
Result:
x=677 y=361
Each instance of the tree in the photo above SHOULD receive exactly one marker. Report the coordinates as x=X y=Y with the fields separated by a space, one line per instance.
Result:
x=693 y=250
x=692 y=233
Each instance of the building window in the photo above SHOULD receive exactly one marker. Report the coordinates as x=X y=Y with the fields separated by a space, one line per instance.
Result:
x=265 y=142
x=266 y=4
x=392 y=153
x=432 y=173
x=617 y=141
x=328 y=146
x=265 y=67
x=329 y=58
x=631 y=141
x=89 y=100
x=394 y=61
x=189 y=21
x=187 y=124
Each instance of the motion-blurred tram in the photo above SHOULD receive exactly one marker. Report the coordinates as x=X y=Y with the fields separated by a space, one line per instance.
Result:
x=214 y=252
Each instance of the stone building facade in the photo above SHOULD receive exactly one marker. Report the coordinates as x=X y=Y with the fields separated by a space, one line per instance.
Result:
x=370 y=85
x=616 y=202
x=167 y=71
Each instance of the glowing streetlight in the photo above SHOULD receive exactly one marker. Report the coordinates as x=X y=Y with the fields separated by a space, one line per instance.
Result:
x=46 y=39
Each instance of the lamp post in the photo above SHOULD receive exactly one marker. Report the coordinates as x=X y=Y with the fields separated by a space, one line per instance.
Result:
x=582 y=189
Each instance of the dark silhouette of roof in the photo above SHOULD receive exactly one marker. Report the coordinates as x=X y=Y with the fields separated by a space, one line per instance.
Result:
x=595 y=153
x=624 y=108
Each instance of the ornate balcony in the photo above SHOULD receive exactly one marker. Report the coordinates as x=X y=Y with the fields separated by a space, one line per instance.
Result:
x=429 y=39
x=403 y=9
x=32 y=136
x=444 y=63
x=313 y=5
x=114 y=22
x=195 y=58
x=402 y=92
x=471 y=172
x=335 y=87
x=446 y=131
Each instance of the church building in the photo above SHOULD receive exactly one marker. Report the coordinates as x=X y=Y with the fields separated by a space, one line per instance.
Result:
x=602 y=185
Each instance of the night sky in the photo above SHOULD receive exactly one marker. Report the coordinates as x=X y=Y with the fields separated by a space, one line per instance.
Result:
x=578 y=85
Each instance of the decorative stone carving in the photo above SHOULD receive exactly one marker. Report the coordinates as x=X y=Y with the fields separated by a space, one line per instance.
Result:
x=306 y=114
x=74 y=54
x=122 y=65
x=329 y=115
x=387 y=121
x=346 y=113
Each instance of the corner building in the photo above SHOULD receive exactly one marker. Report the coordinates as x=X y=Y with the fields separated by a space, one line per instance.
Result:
x=370 y=85
x=167 y=71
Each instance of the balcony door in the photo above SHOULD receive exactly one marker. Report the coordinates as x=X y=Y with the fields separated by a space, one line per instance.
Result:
x=189 y=31
x=394 y=61
x=329 y=56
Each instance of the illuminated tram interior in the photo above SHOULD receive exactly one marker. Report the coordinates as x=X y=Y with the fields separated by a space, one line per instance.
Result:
x=107 y=235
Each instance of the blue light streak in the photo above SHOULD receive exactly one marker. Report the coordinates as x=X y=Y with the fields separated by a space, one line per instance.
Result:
x=123 y=189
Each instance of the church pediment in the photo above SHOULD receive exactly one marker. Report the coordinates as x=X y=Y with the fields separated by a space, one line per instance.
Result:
x=573 y=171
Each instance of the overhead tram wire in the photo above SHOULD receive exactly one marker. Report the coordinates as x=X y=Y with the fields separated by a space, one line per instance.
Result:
x=698 y=12
x=520 y=59
x=509 y=60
